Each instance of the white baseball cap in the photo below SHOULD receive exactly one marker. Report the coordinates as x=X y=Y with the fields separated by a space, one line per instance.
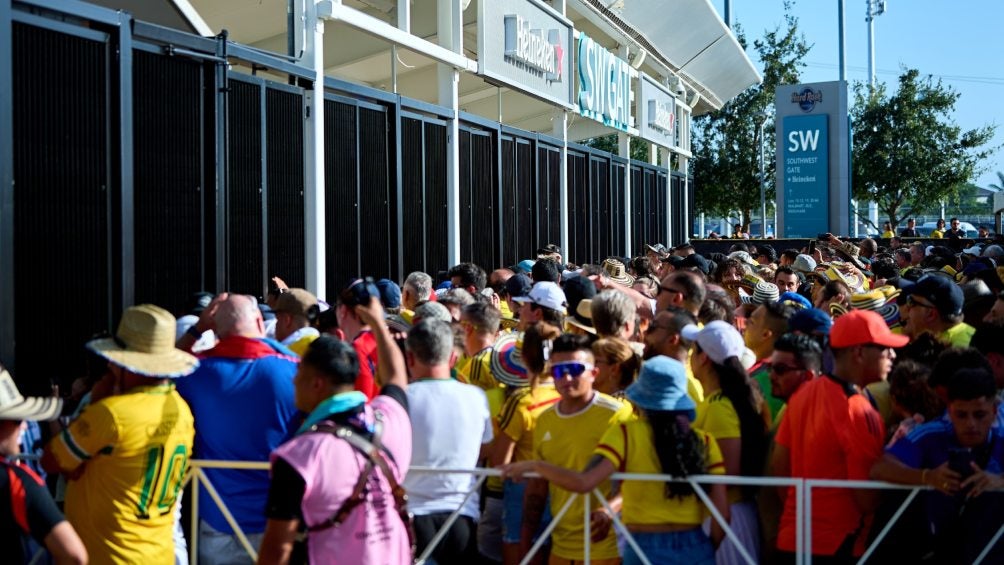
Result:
x=720 y=340
x=546 y=294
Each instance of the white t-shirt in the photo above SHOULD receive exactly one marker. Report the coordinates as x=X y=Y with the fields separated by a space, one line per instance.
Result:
x=449 y=422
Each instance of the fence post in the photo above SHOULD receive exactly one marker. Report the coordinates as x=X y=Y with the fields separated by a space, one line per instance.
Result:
x=547 y=531
x=193 y=546
x=587 y=532
x=449 y=522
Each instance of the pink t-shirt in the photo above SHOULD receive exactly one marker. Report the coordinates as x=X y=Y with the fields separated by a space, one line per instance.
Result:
x=373 y=534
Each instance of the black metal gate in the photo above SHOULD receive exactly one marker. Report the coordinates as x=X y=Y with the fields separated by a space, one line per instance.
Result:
x=143 y=164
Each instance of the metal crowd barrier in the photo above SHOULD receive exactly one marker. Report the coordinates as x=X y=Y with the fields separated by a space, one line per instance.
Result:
x=803 y=508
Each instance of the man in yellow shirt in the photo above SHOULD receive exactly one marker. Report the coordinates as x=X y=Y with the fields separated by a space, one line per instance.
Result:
x=127 y=452
x=566 y=435
x=934 y=305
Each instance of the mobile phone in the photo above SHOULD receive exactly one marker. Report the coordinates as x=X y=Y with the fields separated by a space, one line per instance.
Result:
x=959 y=459
x=812 y=247
x=823 y=236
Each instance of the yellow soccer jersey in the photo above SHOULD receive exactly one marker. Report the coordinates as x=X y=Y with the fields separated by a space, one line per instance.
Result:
x=568 y=440
x=131 y=451
x=630 y=448
x=519 y=416
x=718 y=417
x=477 y=370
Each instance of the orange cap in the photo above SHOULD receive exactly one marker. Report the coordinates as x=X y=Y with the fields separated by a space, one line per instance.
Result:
x=863 y=327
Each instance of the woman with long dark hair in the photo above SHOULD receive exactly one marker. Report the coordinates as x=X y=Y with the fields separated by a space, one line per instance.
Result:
x=663 y=518
x=732 y=414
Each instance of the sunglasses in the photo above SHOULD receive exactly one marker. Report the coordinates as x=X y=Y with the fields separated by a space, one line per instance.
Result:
x=781 y=368
x=914 y=302
x=569 y=369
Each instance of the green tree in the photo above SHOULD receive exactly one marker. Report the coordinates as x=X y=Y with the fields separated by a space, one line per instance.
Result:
x=726 y=160
x=908 y=155
x=999 y=186
x=608 y=143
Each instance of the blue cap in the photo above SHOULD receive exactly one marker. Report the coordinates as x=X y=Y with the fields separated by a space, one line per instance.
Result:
x=811 y=321
x=518 y=285
x=525 y=266
x=390 y=293
x=796 y=298
x=662 y=385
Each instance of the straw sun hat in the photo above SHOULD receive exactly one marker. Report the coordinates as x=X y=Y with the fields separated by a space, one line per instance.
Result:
x=13 y=406
x=144 y=344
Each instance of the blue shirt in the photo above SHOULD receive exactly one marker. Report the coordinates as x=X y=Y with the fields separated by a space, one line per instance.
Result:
x=242 y=399
x=927 y=447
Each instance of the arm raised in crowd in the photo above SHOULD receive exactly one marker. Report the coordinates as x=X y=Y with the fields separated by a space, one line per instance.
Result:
x=390 y=366
x=206 y=322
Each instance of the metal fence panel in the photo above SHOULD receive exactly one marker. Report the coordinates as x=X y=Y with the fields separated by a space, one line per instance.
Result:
x=245 y=237
x=435 y=196
x=285 y=185
x=170 y=184
x=375 y=212
x=63 y=200
x=341 y=198
x=413 y=195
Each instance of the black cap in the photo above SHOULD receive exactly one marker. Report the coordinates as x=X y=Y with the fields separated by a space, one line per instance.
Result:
x=576 y=289
x=696 y=260
x=518 y=285
x=940 y=291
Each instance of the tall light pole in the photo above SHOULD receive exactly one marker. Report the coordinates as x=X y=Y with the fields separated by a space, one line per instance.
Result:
x=873 y=8
x=765 y=117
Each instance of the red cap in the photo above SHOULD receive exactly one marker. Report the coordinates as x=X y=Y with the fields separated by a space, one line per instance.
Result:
x=862 y=327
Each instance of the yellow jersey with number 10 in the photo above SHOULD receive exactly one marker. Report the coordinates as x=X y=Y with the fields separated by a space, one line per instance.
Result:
x=131 y=452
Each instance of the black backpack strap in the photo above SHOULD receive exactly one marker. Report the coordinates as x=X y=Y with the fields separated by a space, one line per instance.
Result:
x=373 y=450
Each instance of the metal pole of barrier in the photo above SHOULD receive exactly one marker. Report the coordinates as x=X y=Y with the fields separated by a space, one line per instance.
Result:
x=722 y=521
x=807 y=517
x=587 y=537
x=211 y=490
x=799 y=522
x=892 y=521
x=547 y=531
x=622 y=528
x=986 y=550
x=449 y=522
x=193 y=545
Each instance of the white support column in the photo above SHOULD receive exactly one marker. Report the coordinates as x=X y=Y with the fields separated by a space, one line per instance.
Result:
x=624 y=150
x=403 y=24
x=661 y=154
x=559 y=129
x=450 y=32
x=688 y=224
x=314 y=221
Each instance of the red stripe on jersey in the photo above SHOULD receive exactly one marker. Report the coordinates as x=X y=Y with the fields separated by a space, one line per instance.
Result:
x=545 y=403
x=18 y=500
x=610 y=450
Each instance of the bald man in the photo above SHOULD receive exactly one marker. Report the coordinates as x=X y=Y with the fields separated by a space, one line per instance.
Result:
x=242 y=399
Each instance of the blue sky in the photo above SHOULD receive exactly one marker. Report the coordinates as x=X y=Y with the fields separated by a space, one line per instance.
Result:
x=958 y=41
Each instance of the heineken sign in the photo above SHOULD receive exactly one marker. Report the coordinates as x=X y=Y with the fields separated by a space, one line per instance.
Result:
x=536 y=48
x=526 y=45
x=656 y=112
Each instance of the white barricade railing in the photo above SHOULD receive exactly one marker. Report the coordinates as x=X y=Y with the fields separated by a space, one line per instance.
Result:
x=803 y=508
x=811 y=484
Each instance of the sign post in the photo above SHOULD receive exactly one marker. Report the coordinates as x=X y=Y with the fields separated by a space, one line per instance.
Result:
x=812 y=159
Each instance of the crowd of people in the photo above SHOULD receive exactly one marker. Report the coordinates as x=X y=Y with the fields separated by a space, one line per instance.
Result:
x=844 y=361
